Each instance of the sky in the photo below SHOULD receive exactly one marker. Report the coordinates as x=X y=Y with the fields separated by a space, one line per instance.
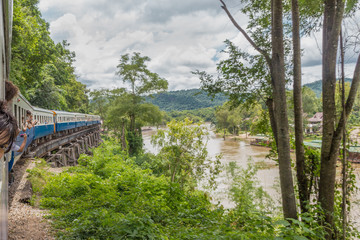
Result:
x=178 y=36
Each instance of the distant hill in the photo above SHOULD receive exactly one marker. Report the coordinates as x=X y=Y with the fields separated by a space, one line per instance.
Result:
x=185 y=100
x=317 y=86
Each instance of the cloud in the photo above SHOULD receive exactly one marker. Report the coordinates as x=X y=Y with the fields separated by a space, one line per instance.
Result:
x=178 y=36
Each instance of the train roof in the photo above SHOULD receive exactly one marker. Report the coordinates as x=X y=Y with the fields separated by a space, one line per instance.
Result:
x=37 y=109
x=57 y=112
x=23 y=99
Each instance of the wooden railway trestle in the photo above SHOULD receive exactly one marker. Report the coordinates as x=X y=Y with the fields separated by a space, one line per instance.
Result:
x=65 y=150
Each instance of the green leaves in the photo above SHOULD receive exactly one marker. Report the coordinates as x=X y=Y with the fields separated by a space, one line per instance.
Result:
x=133 y=70
x=183 y=150
x=43 y=70
x=107 y=196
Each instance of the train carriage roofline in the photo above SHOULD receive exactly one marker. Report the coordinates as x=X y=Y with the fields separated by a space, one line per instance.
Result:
x=38 y=109
x=58 y=112
x=20 y=98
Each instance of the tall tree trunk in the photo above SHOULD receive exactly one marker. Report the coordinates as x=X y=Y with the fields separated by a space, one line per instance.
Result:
x=333 y=12
x=278 y=117
x=298 y=111
x=344 y=162
x=278 y=78
x=132 y=123
x=270 y=106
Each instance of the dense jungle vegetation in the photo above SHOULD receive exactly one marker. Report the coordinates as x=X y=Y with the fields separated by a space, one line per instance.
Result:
x=111 y=195
x=43 y=70
x=185 y=100
x=123 y=193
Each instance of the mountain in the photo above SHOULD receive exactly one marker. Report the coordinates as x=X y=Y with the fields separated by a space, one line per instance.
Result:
x=317 y=86
x=185 y=100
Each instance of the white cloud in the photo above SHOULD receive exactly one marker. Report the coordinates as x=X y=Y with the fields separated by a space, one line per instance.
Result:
x=179 y=37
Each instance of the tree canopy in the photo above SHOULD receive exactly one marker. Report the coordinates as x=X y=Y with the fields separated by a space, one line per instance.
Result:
x=43 y=70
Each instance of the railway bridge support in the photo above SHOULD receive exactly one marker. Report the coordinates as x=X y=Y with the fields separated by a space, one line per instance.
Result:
x=66 y=149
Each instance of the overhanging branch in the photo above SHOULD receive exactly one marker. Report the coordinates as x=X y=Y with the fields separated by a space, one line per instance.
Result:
x=257 y=48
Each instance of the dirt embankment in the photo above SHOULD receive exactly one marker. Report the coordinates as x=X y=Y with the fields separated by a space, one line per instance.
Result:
x=25 y=221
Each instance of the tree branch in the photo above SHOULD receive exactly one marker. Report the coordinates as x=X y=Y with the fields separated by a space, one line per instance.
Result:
x=349 y=104
x=257 y=48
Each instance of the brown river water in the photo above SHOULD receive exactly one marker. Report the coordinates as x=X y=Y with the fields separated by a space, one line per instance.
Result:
x=239 y=151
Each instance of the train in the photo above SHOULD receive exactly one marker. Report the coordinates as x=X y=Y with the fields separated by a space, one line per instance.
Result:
x=49 y=122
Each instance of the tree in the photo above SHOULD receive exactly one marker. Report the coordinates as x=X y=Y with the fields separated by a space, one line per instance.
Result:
x=311 y=102
x=273 y=82
x=183 y=148
x=43 y=70
x=101 y=100
x=119 y=115
x=133 y=70
x=304 y=194
x=332 y=129
x=222 y=118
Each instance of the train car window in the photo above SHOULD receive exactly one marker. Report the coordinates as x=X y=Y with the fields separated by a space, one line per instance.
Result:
x=16 y=115
x=23 y=114
x=20 y=117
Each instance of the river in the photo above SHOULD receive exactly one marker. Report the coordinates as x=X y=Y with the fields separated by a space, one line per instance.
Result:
x=239 y=151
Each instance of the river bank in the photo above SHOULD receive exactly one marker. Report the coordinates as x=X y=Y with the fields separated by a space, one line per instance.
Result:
x=238 y=149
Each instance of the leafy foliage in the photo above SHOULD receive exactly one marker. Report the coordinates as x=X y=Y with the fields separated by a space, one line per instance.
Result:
x=190 y=99
x=108 y=196
x=183 y=148
x=317 y=86
x=43 y=70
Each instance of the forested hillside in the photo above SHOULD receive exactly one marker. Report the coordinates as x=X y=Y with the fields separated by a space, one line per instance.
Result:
x=317 y=86
x=185 y=100
x=42 y=69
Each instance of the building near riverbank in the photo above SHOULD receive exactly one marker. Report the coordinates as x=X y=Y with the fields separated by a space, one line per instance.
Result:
x=315 y=123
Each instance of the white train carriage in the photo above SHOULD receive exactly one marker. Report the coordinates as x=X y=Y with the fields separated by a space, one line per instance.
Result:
x=81 y=119
x=46 y=124
x=64 y=120
x=19 y=106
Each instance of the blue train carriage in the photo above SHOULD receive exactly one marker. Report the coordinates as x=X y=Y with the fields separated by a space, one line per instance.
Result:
x=64 y=120
x=81 y=119
x=92 y=119
x=46 y=124
x=19 y=107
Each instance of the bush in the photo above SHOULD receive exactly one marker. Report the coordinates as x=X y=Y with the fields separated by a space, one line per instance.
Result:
x=113 y=196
